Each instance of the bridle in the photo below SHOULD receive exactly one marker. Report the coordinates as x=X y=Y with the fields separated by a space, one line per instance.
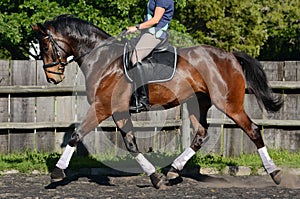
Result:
x=56 y=53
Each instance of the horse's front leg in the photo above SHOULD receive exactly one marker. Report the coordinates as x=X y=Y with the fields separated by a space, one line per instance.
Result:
x=125 y=126
x=200 y=138
x=90 y=122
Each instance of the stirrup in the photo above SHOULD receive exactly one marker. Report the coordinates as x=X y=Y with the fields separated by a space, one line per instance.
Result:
x=144 y=101
x=139 y=107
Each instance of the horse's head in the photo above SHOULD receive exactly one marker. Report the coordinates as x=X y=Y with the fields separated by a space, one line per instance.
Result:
x=66 y=36
x=54 y=51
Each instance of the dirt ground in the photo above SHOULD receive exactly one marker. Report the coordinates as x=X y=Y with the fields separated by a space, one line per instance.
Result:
x=137 y=186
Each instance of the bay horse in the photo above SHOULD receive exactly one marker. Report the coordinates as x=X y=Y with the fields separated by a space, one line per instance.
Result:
x=204 y=73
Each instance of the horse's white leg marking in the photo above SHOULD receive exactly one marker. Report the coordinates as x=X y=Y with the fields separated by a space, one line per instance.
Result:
x=65 y=158
x=181 y=160
x=145 y=164
x=266 y=160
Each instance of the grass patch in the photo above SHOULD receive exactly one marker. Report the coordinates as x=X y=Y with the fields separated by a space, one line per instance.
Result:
x=45 y=162
x=280 y=157
x=26 y=162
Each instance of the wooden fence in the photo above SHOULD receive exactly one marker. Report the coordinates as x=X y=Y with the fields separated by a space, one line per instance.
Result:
x=35 y=115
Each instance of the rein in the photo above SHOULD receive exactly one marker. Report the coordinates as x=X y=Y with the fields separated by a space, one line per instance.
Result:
x=55 y=50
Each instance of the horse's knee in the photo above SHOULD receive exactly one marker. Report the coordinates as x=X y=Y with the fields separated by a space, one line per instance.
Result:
x=199 y=139
x=130 y=144
x=76 y=137
x=127 y=127
x=123 y=121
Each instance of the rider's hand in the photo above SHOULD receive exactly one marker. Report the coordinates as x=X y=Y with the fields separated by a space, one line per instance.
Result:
x=132 y=29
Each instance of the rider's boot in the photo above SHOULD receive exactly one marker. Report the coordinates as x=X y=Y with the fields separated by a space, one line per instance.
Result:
x=141 y=93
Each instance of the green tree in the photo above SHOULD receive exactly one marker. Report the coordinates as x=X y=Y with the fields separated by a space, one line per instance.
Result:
x=251 y=26
x=282 y=19
x=227 y=24
x=16 y=18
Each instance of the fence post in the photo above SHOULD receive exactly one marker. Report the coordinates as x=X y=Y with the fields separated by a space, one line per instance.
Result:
x=185 y=128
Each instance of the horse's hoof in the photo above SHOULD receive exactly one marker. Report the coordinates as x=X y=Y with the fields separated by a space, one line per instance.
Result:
x=172 y=174
x=173 y=177
x=276 y=176
x=157 y=179
x=57 y=174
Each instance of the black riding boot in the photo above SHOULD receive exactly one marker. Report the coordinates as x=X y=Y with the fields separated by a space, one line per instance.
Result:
x=141 y=90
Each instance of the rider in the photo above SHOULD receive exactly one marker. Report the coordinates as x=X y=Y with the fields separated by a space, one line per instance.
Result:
x=156 y=23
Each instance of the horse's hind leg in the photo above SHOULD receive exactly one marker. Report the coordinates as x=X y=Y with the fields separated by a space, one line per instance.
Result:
x=124 y=123
x=253 y=131
x=200 y=138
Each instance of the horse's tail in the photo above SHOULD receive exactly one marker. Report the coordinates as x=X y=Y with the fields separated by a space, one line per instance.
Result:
x=257 y=82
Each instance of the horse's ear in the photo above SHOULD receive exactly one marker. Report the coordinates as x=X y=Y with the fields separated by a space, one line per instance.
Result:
x=34 y=27
x=38 y=28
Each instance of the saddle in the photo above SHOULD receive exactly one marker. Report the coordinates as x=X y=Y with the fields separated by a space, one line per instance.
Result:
x=159 y=65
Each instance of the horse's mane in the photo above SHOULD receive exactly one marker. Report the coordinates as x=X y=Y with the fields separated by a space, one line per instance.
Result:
x=69 y=25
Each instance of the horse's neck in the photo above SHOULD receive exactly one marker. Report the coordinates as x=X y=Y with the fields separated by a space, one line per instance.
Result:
x=100 y=63
x=84 y=48
x=100 y=58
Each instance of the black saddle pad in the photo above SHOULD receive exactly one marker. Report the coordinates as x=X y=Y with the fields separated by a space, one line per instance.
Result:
x=160 y=65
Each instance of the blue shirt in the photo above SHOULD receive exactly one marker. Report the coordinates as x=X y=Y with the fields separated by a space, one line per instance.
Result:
x=160 y=29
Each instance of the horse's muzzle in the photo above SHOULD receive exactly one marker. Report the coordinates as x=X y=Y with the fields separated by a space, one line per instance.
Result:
x=55 y=81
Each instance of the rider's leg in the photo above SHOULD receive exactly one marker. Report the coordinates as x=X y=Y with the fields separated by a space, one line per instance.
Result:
x=145 y=45
x=141 y=89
